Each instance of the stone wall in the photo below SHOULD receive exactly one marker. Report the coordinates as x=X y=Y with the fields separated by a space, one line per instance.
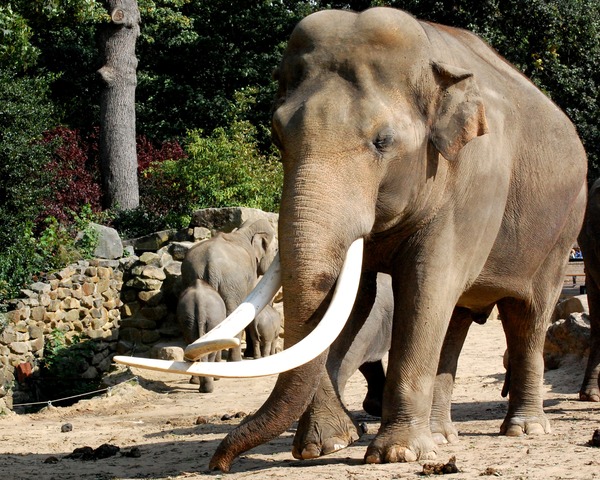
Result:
x=81 y=300
x=125 y=306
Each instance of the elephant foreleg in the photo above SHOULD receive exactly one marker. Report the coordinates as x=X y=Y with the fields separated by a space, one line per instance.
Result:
x=326 y=426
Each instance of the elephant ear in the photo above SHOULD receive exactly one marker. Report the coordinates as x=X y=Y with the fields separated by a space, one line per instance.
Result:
x=260 y=243
x=460 y=113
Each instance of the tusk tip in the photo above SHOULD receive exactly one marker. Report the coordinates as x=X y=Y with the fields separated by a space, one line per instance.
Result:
x=194 y=351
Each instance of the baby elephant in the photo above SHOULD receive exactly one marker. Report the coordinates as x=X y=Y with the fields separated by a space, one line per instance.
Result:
x=264 y=332
x=200 y=309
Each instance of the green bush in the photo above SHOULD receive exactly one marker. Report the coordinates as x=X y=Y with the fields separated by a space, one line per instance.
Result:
x=223 y=169
x=54 y=247
x=25 y=113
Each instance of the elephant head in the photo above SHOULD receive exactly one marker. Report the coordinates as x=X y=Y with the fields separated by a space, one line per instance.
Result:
x=261 y=236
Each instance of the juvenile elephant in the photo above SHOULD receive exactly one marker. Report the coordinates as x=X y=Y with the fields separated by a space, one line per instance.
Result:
x=231 y=262
x=263 y=332
x=589 y=241
x=363 y=343
x=468 y=186
x=200 y=308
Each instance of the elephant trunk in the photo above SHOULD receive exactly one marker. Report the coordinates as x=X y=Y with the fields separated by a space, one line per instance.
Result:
x=294 y=389
x=312 y=246
x=275 y=416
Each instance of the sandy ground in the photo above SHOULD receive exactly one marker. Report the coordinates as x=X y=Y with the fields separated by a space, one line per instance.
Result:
x=159 y=416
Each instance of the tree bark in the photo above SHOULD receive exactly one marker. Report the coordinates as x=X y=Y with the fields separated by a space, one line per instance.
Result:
x=117 y=109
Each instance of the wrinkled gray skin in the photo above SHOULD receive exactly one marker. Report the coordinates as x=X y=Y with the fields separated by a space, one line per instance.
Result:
x=468 y=185
x=589 y=241
x=263 y=332
x=200 y=309
x=231 y=263
x=326 y=425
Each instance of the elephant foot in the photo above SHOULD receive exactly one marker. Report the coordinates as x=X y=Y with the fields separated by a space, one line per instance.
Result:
x=589 y=395
x=206 y=389
x=390 y=447
x=590 y=388
x=195 y=380
x=444 y=432
x=321 y=435
x=517 y=426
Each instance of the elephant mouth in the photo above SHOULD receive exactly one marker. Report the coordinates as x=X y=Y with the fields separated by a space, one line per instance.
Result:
x=223 y=336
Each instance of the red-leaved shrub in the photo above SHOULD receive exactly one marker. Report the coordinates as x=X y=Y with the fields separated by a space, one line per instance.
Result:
x=76 y=174
x=148 y=152
x=75 y=168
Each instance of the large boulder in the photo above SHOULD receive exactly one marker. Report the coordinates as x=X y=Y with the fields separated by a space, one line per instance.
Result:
x=151 y=242
x=228 y=219
x=576 y=304
x=567 y=337
x=109 y=244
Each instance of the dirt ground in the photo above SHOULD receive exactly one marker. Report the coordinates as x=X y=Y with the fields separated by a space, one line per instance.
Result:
x=159 y=416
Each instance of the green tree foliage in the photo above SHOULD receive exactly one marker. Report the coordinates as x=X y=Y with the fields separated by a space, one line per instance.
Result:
x=225 y=168
x=25 y=113
x=193 y=69
x=63 y=41
x=16 y=50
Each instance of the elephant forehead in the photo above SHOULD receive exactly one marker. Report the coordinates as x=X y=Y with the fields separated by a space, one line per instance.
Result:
x=338 y=30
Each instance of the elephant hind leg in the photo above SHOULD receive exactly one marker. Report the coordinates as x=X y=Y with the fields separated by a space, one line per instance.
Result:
x=440 y=421
x=207 y=383
x=590 y=387
x=375 y=376
x=525 y=330
x=266 y=349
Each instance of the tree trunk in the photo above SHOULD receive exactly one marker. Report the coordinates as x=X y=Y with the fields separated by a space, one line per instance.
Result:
x=117 y=109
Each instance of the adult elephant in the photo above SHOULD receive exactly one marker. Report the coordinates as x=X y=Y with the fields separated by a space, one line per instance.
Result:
x=467 y=183
x=589 y=239
x=231 y=262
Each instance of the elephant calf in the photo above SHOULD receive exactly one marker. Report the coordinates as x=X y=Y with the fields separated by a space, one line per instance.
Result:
x=199 y=310
x=264 y=332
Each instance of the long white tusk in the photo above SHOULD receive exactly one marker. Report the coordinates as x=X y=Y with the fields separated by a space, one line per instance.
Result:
x=309 y=348
x=224 y=335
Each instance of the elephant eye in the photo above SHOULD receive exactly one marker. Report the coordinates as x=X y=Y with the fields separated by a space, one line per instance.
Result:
x=384 y=140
